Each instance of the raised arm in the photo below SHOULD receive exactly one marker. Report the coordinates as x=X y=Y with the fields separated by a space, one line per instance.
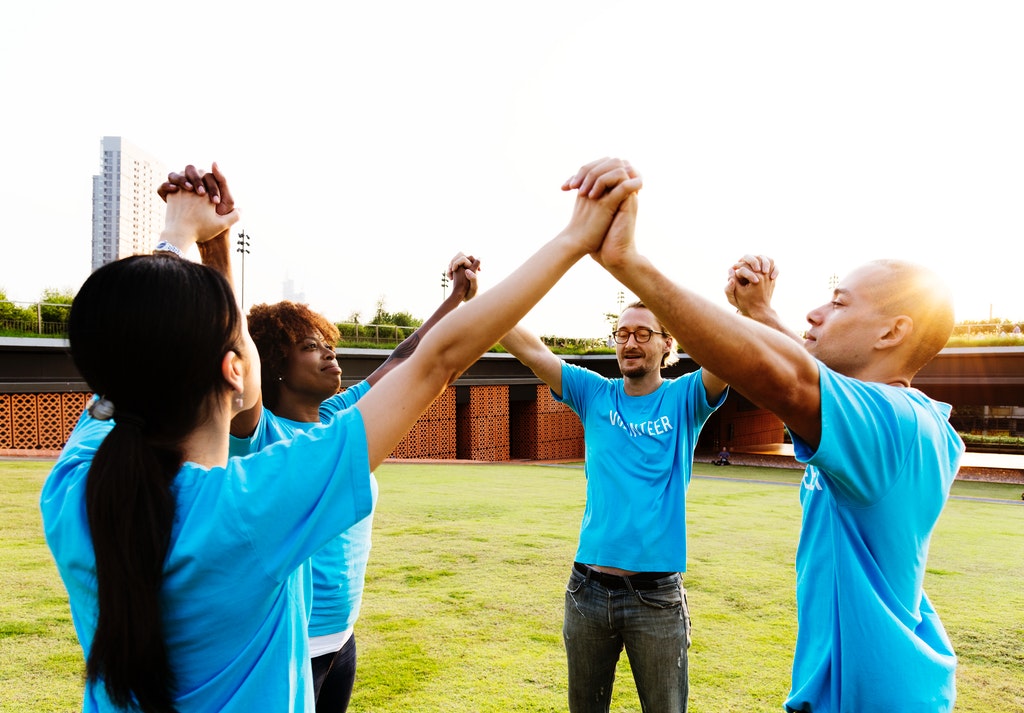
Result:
x=214 y=252
x=531 y=351
x=765 y=365
x=462 y=270
x=391 y=407
x=623 y=228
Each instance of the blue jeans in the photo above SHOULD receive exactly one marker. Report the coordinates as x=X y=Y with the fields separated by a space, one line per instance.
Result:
x=653 y=625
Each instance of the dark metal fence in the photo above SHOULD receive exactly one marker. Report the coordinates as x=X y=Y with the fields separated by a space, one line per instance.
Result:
x=45 y=318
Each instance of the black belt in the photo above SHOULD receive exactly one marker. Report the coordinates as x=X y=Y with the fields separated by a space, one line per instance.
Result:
x=640 y=580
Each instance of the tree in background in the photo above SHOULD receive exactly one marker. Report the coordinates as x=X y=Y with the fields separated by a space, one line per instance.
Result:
x=54 y=306
x=399 y=319
x=48 y=316
x=14 y=318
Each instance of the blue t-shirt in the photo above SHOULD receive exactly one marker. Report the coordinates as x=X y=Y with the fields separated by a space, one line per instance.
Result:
x=639 y=456
x=868 y=638
x=231 y=597
x=338 y=571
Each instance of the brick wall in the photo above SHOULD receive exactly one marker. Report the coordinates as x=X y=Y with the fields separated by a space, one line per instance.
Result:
x=43 y=421
x=544 y=429
x=39 y=421
x=434 y=435
x=483 y=424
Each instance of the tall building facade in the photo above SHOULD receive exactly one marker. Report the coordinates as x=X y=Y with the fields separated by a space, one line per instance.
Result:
x=127 y=213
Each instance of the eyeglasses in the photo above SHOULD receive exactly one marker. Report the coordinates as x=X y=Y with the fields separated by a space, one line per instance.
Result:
x=642 y=335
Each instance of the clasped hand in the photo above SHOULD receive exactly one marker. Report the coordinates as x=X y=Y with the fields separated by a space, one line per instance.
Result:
x=199 y=204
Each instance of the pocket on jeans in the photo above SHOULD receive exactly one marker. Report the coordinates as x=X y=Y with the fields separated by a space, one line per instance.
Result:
x=576 y=581
x=666 y=597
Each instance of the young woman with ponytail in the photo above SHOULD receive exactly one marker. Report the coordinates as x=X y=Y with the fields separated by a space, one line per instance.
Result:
x=181 y=564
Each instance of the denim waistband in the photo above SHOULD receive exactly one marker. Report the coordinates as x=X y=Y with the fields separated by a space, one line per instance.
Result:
x=640 y=580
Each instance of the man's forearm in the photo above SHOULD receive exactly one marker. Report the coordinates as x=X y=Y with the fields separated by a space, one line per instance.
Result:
x=216 y=253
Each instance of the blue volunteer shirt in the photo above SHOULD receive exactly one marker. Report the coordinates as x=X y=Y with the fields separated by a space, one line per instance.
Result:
x=335 y=575
x=639 y=457
x=234 y=619
x=868 y=638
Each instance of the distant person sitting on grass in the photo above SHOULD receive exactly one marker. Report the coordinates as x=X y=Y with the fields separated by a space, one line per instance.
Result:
x=723 y=457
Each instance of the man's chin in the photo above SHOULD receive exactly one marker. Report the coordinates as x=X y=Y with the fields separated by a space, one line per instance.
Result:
x=634 y=373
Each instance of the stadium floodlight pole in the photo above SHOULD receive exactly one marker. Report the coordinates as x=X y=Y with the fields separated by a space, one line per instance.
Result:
x=243 y=247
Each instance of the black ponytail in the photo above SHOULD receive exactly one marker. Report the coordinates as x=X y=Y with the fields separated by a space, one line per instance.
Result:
x=130 y=518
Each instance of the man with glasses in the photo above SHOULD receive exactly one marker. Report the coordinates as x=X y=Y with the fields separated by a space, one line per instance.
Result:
x=625 y=588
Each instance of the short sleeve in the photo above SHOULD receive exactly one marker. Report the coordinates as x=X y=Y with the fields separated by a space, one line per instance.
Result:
x=293 y=497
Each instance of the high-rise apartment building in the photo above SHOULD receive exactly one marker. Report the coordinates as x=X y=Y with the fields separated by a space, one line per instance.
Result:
x=127 y=213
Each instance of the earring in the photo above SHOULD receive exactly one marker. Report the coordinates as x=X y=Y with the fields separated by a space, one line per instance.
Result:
x=280 y=378
x=240 y=400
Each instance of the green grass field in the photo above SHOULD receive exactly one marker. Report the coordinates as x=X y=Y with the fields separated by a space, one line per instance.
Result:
x=463 y=604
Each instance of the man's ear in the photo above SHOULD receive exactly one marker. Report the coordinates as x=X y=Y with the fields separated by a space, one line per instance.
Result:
x=233 y=369
x=899 y=331
x=670 y=344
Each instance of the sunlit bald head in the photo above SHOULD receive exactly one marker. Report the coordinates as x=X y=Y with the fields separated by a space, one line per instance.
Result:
x=905 y=288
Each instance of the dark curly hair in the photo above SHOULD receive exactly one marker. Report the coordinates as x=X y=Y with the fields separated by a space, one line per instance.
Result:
x=275 y=329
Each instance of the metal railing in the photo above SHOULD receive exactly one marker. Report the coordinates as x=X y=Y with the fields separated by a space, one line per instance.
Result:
x=987 y=330
x=21 y=318
x=30 y=320
x=373 y=333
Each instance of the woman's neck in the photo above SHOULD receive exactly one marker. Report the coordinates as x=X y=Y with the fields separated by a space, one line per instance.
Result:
x=207 y=445
x=295 y=409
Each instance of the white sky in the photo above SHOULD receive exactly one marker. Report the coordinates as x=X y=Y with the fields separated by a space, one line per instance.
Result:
x=367 y=143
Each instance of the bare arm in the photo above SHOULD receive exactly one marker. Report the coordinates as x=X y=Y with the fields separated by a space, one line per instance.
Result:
x=391 y=407
x=462 y=270
x=532 y=352
x=623 y=228
x=215 y=252
x=765 y=365
x=713 y=385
